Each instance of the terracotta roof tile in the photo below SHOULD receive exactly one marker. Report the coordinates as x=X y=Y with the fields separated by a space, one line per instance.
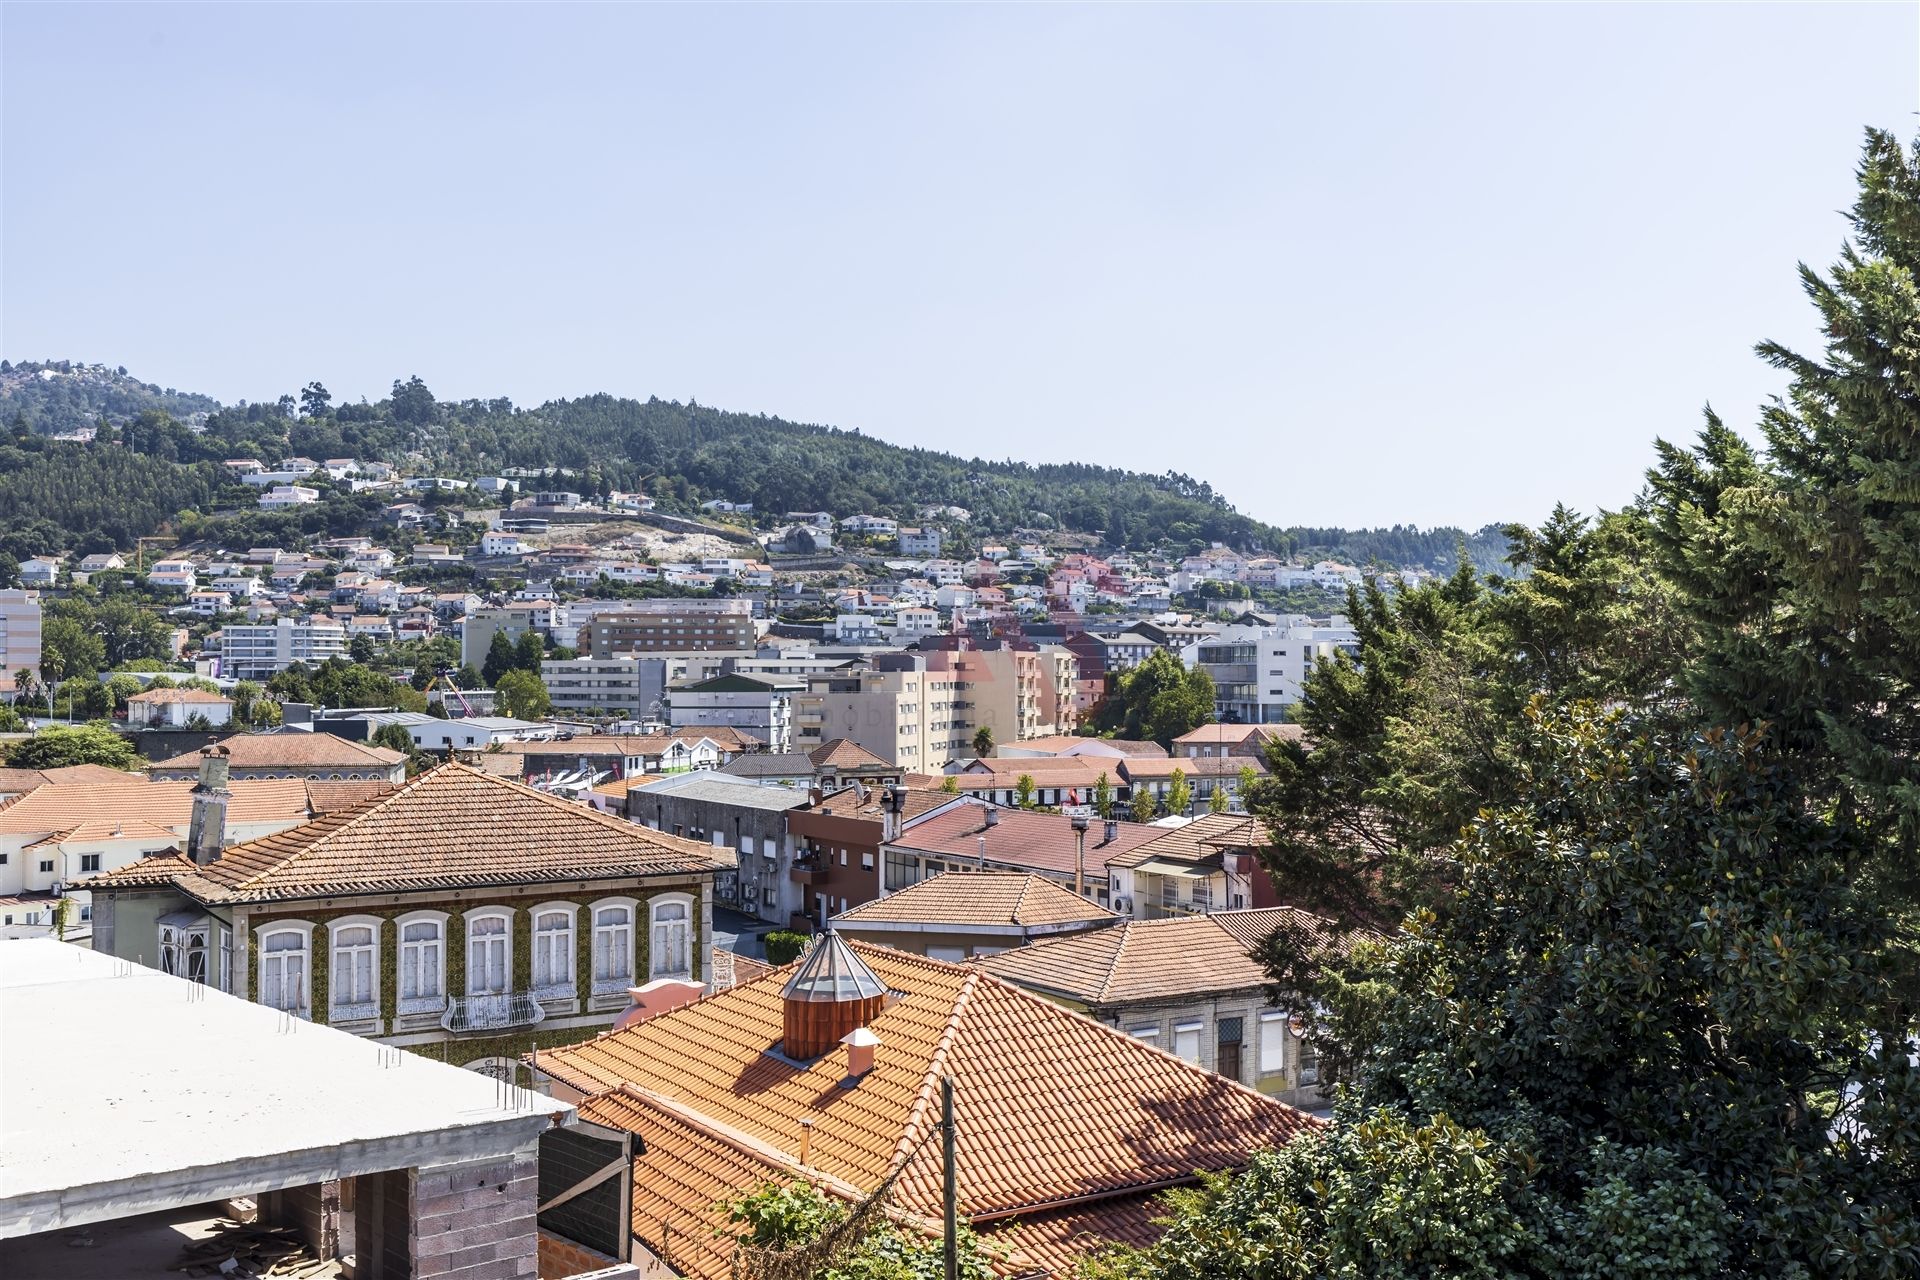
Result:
x=324 y=795
x=1198 y=841
x=1201 y=767
x=449 y=827
x=13 y=781
x=160 y=869
x=60 y=806
x=291 y=750
x=843 y=753
x=980 y=898
x=1159 y=959
x=1052 y=1107
x=1231 y=734
x=158 y=697
x=1036 y=841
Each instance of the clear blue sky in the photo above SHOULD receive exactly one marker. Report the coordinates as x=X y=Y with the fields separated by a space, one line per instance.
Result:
x=1352 y=265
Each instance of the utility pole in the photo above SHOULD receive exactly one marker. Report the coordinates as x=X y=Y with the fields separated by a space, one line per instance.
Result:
x=951 y=1239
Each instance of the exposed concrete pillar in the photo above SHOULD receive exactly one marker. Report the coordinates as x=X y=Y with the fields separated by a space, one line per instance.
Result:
x=475 y=1220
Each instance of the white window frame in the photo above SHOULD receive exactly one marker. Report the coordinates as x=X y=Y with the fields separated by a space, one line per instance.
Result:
x=303 y=1006
x=1146 y=1033
x=473 y=917
x=654 y=925
x=1189 y=1033
x=223 y=959
x=614 y=984
x=1272 y=1045
x=176 y=949
x=419 y=1004
x=361 y=1010
x=557 y=990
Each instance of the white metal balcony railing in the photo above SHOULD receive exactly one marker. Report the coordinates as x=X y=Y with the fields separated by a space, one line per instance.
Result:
x=492 y=1012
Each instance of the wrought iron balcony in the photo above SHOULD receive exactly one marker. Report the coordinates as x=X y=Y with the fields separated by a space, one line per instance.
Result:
x=492 y=1013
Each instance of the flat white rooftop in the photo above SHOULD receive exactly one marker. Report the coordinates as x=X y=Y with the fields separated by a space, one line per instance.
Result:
x=123 y=1090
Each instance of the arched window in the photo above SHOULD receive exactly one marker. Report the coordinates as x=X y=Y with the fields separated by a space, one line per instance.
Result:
x=553 y=950
x=353 y=987
x=671 y=955
x=612 y=945
x=285 y=951
x=423 y=961
x=489 y=952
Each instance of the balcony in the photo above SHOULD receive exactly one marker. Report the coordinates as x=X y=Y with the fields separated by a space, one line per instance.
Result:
x=809 y=871
x=493 y=1013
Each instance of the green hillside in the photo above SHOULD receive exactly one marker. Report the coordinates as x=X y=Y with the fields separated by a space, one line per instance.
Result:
x=683 y=454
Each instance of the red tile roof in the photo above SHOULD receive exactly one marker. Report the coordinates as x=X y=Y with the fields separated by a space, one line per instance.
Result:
x=291 y=750
x=451 y=827
x=964 y=898
x=1055 y=1112
x=61 y=806
x=1019 y=838
x=843 y=753
x=1160 y=959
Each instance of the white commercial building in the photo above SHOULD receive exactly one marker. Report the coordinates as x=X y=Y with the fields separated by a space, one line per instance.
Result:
x=471 y=733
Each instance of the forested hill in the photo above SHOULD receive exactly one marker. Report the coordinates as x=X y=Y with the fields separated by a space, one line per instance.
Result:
x=58 y=396
x=685 y=454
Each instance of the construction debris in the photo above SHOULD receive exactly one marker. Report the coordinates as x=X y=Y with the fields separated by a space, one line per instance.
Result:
x=237 y=1251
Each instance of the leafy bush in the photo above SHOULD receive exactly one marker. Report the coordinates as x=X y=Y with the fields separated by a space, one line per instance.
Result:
x=784 y=946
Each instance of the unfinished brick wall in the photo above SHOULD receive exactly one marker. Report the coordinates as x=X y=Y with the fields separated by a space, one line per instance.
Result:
x=475 y=1221
x=562 y=1258
x=313 y=1211
x=382 y=1222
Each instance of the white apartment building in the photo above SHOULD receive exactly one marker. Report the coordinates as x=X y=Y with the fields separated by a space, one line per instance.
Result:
x=262 y=651
x=634 y=683
x=20 y=623
x=1258 y=671
x=760 y=706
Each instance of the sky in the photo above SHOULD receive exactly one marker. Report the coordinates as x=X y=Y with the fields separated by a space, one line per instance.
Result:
x=1352 y=265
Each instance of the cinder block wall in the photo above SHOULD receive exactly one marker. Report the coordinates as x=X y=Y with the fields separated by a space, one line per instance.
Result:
x=475 y=1220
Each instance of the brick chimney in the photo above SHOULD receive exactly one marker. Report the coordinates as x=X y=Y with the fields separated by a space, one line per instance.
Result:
x=207 y=831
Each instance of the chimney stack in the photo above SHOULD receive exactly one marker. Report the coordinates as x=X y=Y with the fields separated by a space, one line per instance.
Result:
x=993 y=816
x=1112 y=831
x=861 y=1045
x=207 y=830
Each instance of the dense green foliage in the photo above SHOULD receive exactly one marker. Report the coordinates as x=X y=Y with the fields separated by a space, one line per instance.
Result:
x=1653 y=1008
x=56 y=496
x=1159 y=700
x=339 y=683
x=683 y=454
x=523 y=695
x=783 y=946
x=796 y=1230
x=1634 y=1039
x=59 y=747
